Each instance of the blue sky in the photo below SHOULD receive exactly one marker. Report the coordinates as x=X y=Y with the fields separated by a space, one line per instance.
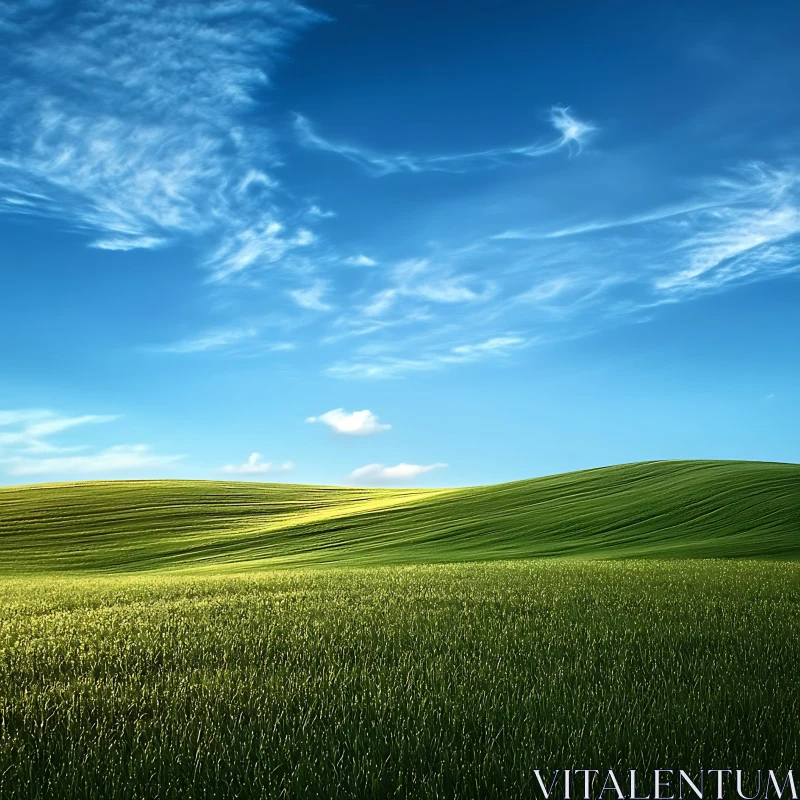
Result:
x=395 y=242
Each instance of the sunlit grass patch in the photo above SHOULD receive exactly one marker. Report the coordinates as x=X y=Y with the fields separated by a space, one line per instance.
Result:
x=422 y=681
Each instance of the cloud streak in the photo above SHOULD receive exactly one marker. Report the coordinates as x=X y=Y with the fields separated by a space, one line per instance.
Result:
x=568 y=281
x=27 y=447
x=30 y=428
x=117 y=459
x=572 y=134
x=395 y=367
x=311 y=298
x=213 y=340
x=401 y=472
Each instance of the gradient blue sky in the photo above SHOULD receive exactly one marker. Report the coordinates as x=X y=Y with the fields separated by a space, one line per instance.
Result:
x=516 y=238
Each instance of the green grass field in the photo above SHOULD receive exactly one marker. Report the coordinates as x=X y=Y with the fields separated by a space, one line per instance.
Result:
x=690 y=509
x=171 y=640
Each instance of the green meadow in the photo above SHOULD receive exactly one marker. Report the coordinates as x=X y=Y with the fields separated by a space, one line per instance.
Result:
x=176 y=639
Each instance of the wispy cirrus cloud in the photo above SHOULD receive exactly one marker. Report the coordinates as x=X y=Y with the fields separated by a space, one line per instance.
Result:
x=105 y=463
x=422 y=279
x=212 y=340
x=355 y=423
x=252 y=337
x=149 y=131
x=311 y=297
x=606 y=224
x=379 y=473
x=27 y=447
x=569 y=280
x=741 y=228
x=132 y=121
x=572 y=133
x=29 y=430
x=384 y=367
x=755 y=237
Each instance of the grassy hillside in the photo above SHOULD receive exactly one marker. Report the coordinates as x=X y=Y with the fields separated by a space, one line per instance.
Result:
x=653 y=509
x=167 y=678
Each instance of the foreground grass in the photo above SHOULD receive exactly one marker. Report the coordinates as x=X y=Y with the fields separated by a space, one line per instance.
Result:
x=670 y=509
x=428 y=681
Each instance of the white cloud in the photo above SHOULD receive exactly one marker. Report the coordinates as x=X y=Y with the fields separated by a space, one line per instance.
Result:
x=393 y=367
x=246 y=340
x=656 y=215
x=361 y=261
x=316 y=211
x=380 y=303
x=28 y=449
x=546 y=290
x=122 y=458
x=355 y=423
x=400 y=472
x=740 y=243
x=735 y=230
x=447 y=291
x=213 y=340
x=573 y=133
x=263 y=243
x=129 y=120
x=255 y=465
x=311 y=298
x=53 y=425
x=34 y=425
x=129 y=243
x=497 y=344
x=24 y=416
x=420 y=279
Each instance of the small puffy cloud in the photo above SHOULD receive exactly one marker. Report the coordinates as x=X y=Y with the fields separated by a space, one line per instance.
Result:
x=400 y=472
x=361 y=261
x=304 y=237
x=356 y=423
x=321 y=213
x=255 y=465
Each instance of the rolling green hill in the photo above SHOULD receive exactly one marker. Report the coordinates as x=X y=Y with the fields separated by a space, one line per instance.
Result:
x=154 y=669
x=653 y=509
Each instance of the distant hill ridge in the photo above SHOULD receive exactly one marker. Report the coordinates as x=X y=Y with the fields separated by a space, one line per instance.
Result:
x=662 y=509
